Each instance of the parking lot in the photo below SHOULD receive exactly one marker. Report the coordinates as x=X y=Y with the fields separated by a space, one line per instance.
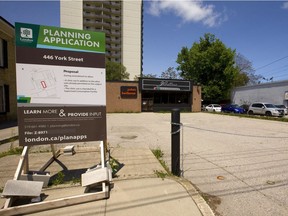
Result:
x=238 y=163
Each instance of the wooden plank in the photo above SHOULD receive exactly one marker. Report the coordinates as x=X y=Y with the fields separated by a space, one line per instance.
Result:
x=21 y=163
x=26 y=163
x=52 y=204
x=53 y=150
x=51 y=160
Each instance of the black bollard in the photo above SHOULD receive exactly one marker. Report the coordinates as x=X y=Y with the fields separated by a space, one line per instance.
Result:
x=175 y=142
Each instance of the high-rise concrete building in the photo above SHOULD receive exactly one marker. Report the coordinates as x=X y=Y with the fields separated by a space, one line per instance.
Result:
x=122 y=22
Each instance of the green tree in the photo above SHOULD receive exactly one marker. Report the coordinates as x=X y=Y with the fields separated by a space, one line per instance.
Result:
x=145 y=76
x=170 y=73
x=116 y=71
x=211 y=64
x=247 y=74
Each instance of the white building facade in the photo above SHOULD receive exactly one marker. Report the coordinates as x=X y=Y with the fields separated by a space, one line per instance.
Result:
x=122 y=22
x=274 y=92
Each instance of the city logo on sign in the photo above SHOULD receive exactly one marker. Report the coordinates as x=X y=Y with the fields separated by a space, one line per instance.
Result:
x=26 y=34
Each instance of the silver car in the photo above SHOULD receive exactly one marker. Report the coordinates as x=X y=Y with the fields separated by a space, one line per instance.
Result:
x=267 y=109
x=281 y=106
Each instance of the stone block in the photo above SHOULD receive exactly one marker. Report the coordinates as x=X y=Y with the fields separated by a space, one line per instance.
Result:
x=94 y=176
x=69 y=150
x=20 y=188
x=37 y=176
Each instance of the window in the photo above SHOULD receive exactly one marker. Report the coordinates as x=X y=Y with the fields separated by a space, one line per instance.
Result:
x=257 y=105
x=4 y=98
x=2 y=102
x=3 y=54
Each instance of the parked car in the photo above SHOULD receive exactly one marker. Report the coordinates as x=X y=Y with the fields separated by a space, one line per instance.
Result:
x=281 y=106
x=245 y=107
x=234 y=108
x=267 y=109
x=213 y=108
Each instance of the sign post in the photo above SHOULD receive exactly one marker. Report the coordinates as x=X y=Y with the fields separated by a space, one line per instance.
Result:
x=175 y=142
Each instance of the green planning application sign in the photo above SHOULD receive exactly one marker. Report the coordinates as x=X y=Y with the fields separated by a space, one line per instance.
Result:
x=49 y=37
x=61 y=84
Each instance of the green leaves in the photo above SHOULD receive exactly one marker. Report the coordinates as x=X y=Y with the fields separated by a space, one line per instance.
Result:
x=116 y=71
x=211 y=64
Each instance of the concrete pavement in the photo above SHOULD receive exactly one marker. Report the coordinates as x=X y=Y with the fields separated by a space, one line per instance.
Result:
x=136 y=188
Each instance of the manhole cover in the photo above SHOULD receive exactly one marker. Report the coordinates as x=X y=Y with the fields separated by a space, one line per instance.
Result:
x=128 y=137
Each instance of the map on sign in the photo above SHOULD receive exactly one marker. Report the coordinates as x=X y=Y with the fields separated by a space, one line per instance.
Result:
x=52 y=84
x=40 y=82
x=44 y=83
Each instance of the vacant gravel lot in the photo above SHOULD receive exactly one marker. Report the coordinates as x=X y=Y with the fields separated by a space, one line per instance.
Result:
x=242 y=163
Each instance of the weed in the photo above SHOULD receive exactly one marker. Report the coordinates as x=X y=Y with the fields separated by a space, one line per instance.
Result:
x=12 y=151
x=114 y=164
x=160 y=174
x=75 y=181
x=158 y=153
x=11 y=139
x=59 y=179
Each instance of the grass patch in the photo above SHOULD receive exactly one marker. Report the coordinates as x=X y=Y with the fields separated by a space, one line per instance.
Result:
x=160 y=174
x=115 y=165
x=75 y=181
x=280 y=119
x=12 y=151
x=11 y=139
x=59 y=179
x=158 y=153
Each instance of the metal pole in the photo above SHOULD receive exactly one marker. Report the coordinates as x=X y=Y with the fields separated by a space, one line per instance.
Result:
x=175 y=142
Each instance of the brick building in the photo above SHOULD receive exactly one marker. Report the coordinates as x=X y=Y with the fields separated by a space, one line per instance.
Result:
x=8 y=104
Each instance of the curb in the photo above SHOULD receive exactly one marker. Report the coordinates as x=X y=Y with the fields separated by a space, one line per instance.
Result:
x=194 y=194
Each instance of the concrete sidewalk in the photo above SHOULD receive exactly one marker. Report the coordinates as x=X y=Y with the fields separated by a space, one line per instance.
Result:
x=136 y=190
x=8 y=132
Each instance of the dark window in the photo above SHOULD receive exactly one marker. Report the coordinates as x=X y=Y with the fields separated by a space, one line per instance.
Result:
x=257 y=105
x=4 y=99
x=157 y=98
x=3 y=54
x=183 y=98
x=171 y=98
